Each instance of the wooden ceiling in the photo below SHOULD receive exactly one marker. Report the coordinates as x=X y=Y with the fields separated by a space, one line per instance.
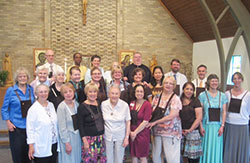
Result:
x=190 y=15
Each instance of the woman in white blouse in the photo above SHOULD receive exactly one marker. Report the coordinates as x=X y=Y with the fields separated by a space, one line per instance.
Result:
x=116 y=115
x=42 y=135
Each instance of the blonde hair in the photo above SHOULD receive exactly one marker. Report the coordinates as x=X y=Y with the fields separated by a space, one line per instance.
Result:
x=89 y=86
x=116 y=69
x=170 y=78
x=67 y=85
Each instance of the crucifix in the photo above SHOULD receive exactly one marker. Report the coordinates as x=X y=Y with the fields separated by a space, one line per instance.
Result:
x=84 y=4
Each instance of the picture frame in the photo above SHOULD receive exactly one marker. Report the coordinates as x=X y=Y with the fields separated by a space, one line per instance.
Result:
x=126 y=57
x=39 y=57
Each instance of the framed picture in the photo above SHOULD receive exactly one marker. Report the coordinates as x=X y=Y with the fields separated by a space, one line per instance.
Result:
x=126 y=57
x=86 y=60
x=39 y=57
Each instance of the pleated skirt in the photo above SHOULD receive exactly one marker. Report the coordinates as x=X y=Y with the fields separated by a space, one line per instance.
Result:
x=236 y=143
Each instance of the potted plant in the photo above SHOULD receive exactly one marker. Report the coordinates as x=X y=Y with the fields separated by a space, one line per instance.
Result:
x=3 y=77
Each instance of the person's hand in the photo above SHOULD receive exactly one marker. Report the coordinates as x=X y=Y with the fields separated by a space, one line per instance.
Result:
x=68 y=148
x=86 y=146
x=10 y=126
x=125 y=142
x=125 y=78
x=185 y=132
x=220 y=132
x=146 y=84
x=150 y=125
x=133 y=135
x=202 y=131
x=31 y=151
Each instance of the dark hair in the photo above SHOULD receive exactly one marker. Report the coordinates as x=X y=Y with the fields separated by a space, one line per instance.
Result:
x=175 y=60
x=209 y=78
x=74 y=68
x=184 y=86
x=133 y=95
x=239 y=74
x=202 y=66
x=95 y=56
x=134 y=72
x=153 y=81
x=74 y=55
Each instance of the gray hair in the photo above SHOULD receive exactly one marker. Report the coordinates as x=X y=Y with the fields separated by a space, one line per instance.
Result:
x=21 y=70
x=40 y=85
x=40 y=68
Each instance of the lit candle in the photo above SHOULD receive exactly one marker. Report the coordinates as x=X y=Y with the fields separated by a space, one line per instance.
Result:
x=65 y=65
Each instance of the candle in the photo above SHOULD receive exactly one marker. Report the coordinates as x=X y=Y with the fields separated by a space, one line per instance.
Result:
x=65 y=65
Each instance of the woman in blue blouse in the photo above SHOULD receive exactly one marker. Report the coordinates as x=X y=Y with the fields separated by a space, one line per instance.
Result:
x=214 y=115
x=16 y=103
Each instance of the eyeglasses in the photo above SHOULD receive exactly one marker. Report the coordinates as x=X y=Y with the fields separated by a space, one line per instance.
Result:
x=168 y=83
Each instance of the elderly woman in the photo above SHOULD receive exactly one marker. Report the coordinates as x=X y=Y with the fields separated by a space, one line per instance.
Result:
x=42 y=135
x=17 y=101
x=140 y=111
x=191 y=116
x=42 y=77
x=96 y=78
x=156 y=81
x=69 y=137
x=75 y=76
x=117 y=125
x=214 y=115
x=117 y=75
x=54 y=95
x=236 y=135
x=137 y=75
x=167 y=129
x=91 y=126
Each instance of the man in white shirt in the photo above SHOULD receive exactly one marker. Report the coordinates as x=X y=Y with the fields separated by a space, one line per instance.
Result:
x=50 y=64
x=200 y=82
x=180 y=78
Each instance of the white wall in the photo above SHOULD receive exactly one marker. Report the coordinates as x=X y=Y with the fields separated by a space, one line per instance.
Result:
x=206 y=53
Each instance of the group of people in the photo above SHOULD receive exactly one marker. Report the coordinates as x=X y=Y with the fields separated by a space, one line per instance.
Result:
x=89 y=115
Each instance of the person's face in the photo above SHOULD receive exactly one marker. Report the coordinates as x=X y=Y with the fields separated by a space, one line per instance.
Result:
x=114 y=95
x=168 y=85
x=78 y=59
x=92 y=94
x=96 y=75
x=42 y=75
x=60 y=78
x=42 y=58
x=22 y=78
x=68 y=93
x=42 y=93
x=137 y=59
x=50 y=56
x=175 y=67
x=76 y=76
x=96 y=62
x=115 y=64
x=237 y=81
x=139 y=93
x=188 y=91
x=138 y=76
x=214 y=83
x=202 y=71
x=117 y=75
x=158 y=74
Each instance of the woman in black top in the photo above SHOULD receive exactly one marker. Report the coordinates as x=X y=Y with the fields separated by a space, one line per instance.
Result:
x=191 y=115
x=54 y=94
x=156 y=80
x=91 y=126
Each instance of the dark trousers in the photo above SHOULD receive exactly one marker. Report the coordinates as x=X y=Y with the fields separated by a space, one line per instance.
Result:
x=50 y=159
x=18 y=146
